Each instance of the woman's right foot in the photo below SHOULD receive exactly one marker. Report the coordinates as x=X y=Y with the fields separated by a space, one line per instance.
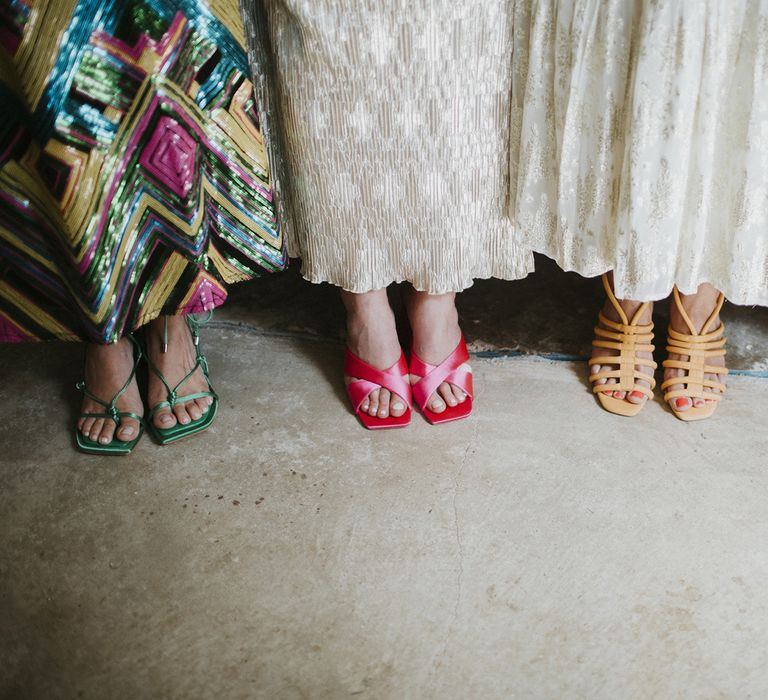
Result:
x=372 y=336
x=630 y=308
x=107 y=367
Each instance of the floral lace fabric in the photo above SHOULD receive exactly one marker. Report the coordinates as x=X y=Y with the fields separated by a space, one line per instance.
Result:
x=639 y=142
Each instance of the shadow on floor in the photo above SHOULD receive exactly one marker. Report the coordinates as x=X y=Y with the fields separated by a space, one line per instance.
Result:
x=548 y=313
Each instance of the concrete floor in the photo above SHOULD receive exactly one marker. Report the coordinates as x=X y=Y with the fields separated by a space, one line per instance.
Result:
x=541 y=549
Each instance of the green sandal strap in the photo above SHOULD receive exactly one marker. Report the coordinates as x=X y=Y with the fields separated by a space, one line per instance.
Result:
x=116 y=416
x=182 y=399
x=194 y=324
x=111 y=407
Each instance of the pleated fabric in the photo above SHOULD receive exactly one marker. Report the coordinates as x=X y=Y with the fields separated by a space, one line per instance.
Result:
x=134 y=179
x=640 y=141
x=395 y=125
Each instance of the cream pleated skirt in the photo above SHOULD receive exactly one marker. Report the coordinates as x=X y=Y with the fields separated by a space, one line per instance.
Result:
x=395 y=124
x=640 y=141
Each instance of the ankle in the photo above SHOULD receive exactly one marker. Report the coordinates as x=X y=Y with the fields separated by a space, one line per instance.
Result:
x=630 y=307
x=174 y=331
x=366 y=303
x=367 y=312
x=698 y=306
x=102 y=353
x=431 y=310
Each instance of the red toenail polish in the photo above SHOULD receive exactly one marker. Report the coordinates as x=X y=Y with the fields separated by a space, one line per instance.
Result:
x=681 y=402
x=637 y=394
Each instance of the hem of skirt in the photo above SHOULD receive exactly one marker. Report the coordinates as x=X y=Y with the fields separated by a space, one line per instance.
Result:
x=733 y=295
x=439 y=264
x=146 y=318
x=419 y=285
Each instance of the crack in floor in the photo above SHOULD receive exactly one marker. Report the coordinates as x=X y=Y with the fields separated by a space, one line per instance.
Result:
x=459 y=544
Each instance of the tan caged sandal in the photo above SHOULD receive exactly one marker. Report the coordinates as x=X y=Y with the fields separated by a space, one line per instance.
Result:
x=628 y=338
x=698 y=348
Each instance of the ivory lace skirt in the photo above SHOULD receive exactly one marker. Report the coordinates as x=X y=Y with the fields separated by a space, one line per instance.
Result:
x=395 y=122
x=640 y=141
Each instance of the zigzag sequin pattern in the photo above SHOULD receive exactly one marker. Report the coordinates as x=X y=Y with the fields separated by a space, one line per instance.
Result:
x=134 y=179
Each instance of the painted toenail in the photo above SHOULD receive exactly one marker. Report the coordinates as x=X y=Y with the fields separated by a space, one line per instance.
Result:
x=681 y=402
x=637 y=394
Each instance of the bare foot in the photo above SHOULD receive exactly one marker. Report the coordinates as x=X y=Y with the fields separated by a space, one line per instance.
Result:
x=699 y=307
x=174 y=365
x=107 y=368
x=436 y=333
x=372 y=336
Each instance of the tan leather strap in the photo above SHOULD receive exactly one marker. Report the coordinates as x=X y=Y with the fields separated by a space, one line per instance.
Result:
x=698 y=347
x=627 y=338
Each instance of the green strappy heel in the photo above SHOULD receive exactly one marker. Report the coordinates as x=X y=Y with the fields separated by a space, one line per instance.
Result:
x=116 y=447
x=167 y=435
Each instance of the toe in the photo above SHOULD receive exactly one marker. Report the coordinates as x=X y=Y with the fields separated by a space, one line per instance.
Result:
x=364 y=406
x=383 y=403
x=681 y=403
x=373 y=405
x=396 y=406
x=107 y=432
x=636 y=396
x=446 y=393
x=619 y=394
x=86 y=426
x=193 y=410
x=96 y=428
x=180 y=410
x=461 y=397
x=436 y=404
x=127 y=430
x=164 y=419
x=596 y=369
x=203 y=404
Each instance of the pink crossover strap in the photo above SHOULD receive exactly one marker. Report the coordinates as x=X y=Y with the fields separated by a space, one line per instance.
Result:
x=449 y=370
x=369 y=379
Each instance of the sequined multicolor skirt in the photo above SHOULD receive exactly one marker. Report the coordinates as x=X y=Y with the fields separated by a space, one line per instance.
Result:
x=134 y=177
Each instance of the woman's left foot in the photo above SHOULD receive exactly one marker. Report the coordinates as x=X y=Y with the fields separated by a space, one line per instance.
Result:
x=436 y=333
x=699 y=308
x=174 y=364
